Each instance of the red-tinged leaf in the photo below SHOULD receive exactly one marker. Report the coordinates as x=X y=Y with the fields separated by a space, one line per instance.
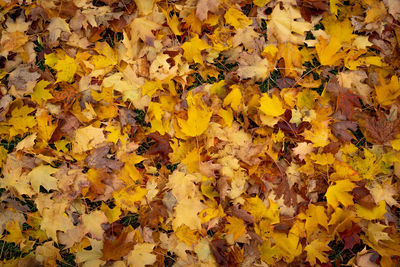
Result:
x=118 y=248
x=346 y=102
x=351 y=236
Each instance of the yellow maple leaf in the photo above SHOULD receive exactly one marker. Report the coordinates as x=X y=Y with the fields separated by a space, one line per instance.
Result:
x=141 y=255
x=288 y=244
x=20 y=121
x=41 y=176
x=376 y=11
x=314 y=216
x=271 y=106
x=199 y=116
x=93 y=222
x=111 y=214
x=107 y=56
x=323 y=158
x=40 y=94
x=192 y=49
x=45 y=126
x=173 y=22
x=328 y=52
x=317 y=250
x=256 y=207
x=375 y=213
x=319 y=136
x=261 y=3
x=65 y=66
x=292 y=58
x=87 y=138
x=233 y=98
x=387 y=93
x=235 y=227
x=339 y=192
x=285 y=26
x=187 y=235
x=236 y=18
x=127 y=197
x=15 y=234
x=211 y=213
x=269 y=253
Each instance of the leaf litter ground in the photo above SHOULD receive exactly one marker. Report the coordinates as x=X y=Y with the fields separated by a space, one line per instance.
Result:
x=199 y=133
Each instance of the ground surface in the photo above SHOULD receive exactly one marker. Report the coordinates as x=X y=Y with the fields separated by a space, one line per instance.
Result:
x=199 y=133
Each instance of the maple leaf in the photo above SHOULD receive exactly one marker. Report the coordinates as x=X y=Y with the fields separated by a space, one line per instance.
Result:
x=22 y=80
x=204 y=6
x=87 y=138
x=286 y=25
x=386 y=93
x=312 y=7
x=41 y=176
x=118 y=248
x=253 y=66
x=141 y=255
x=346 y=102
x=56 y=27
x=380 y=129
x=93 y=222
x=314 y=216
x=375 y=213
x=40 y=94
x=236 y=18
x=339 y=192
x=317 y=250
x=233 y=98
x=271 y=106
x=192 y=49
x=198 y=117
x=235 y=227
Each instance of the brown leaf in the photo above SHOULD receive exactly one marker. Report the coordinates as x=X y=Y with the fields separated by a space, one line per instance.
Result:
x=127 y=116
x=162 y=146
x=219 y=248
x=340 y=129
x=242 y=214
x=118 y=248
x=346 y=102
x=363 y=197
x=310 y=8
x=203 y=6
x=284 y=190
x=380 y=129
x=150 y=216
x=22 y=80
x=99 y=160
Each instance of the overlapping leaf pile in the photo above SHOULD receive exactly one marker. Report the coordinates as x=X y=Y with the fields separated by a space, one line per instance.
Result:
x=199 y=133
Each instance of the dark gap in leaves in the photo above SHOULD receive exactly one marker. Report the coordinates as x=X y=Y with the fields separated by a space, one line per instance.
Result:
x=27 y=201
x=10 y=145
x=246 y=9
x=144 y=146
x=310 y=36
x=92 y=205
x=360 y=140
x=140 y=166
x=210 y=233
x=172 y=167
x=319 y=26
x=270 y=82
x=141 y=117
x=9 y=250
x=111 y=37
x=130 y=219
x=98 y=3
x=169 y=259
